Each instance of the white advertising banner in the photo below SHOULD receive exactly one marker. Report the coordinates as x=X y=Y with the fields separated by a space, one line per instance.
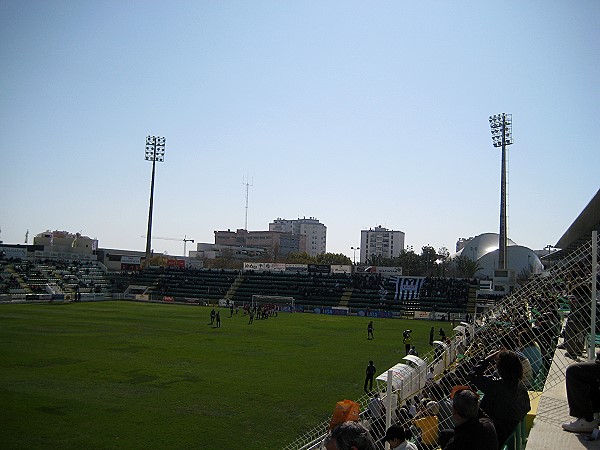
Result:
x=265 y=267
x=389 y=271
x=11 y=252
x=341 y=269
x=134 y=260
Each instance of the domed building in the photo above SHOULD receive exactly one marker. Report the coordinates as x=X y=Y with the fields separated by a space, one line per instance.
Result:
x=518 y=258
x=484 y=249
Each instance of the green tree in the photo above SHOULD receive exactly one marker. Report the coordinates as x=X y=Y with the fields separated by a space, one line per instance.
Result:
x=157 y=260
x=227 y=260
x=442 y=262
x=466 y=267
x=410 y=262
x=299 y=258
x=428 y=258
x=525 y=274
x=376 y=260
x=333 y=258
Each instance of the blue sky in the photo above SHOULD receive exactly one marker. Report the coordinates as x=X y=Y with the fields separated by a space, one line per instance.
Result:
x=357 y=113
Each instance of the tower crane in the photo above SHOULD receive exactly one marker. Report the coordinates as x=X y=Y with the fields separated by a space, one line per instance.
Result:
x=185 y=240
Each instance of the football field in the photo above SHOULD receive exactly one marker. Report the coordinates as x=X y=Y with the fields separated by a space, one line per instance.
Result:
x=136 y=375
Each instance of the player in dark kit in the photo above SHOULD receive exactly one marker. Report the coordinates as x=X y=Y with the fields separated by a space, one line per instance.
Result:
x=407 y=339
x=370 y=374
x=370 y=331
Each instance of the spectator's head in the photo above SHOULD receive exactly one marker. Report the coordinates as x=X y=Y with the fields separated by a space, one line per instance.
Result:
x=509 y=366
x=432 y=408
x=349 y=436
x=465 y=405
x=395 y=435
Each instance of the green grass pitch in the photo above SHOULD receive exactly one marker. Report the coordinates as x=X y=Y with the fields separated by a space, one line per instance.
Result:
x=133 y=375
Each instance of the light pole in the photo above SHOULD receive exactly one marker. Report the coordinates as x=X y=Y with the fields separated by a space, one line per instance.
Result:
x=155 y=151
x=501 y=126
x=354 y=248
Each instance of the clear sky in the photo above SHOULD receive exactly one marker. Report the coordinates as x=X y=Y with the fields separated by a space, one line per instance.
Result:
x=357 y=113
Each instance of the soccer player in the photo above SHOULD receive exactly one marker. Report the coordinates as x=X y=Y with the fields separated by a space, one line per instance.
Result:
x=370 y=374
x=406 y=339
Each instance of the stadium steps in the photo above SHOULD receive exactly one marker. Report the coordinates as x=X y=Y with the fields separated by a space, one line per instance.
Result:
x=346 y=296
x=20 y=280
x=234 y=287
x=55 y=279
x=472 y=301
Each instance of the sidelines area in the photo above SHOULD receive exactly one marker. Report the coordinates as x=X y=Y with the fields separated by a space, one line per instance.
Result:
x=553 y=411
x=529 y=321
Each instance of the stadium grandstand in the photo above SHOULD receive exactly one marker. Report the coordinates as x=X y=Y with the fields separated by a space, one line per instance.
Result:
x=530 y=317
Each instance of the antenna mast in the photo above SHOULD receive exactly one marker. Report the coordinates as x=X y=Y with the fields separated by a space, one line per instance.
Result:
x=247 y=184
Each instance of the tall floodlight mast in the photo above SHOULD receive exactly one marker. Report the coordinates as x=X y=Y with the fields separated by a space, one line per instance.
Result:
x=155 y=152
x=501 y=126
x=248 y=185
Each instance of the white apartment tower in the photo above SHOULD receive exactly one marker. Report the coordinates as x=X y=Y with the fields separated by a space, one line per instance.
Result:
x=313 y=233
x=380 y=241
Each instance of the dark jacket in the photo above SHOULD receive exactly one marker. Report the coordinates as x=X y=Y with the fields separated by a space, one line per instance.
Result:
x=506 y=403
x=474 y=434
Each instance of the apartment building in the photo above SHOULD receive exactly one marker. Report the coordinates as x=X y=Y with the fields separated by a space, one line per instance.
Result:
x=313 y=232
x=380 y=241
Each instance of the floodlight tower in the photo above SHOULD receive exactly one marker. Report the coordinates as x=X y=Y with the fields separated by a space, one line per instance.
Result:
x=501 y=126
x=354 y=248
x=155 y=151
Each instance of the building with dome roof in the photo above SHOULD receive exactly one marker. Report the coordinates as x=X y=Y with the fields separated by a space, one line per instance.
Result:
x=484 y=249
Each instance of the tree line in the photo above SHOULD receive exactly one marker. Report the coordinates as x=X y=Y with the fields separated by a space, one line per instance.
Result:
x=430 y=262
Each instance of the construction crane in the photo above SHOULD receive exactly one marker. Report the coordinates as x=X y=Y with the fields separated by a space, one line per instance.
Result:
x=185 y=241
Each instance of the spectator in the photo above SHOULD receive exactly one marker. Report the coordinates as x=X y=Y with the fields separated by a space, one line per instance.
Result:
x=529 y=346
x=506 y=400
x=430 y=375
x=442 y=397
x=349 y=436
x=377 y=416
x=583 y=395
x=376 y=407
x=472 y=430
x=404 y=417
x=507 y=342
x=396 y=437
x=427 y=423
x=412 y=406
x=577 y=322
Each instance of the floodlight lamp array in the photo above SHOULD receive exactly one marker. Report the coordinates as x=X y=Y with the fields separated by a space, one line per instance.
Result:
x=155 y=148
x=501 y=125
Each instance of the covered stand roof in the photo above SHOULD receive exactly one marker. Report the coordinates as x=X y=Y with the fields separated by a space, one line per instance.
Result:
x=580 y=230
